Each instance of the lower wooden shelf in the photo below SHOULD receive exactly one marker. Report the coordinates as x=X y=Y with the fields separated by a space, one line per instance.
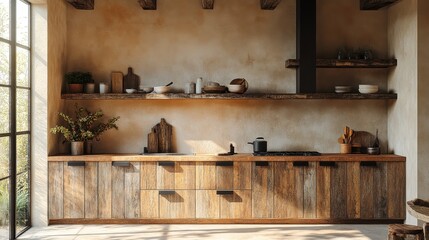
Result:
x=230 y=96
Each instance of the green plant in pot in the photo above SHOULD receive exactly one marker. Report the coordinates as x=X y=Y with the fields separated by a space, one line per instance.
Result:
x=76 y=80
x=84 y=128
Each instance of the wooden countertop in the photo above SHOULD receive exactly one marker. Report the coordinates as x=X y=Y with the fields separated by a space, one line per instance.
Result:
x=245 y=157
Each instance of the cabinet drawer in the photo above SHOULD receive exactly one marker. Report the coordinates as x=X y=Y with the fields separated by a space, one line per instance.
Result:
x=237 y=176
x=180 y=204
x=149 y=204
x=175 y=175
x=207 y=204
x=236 y=205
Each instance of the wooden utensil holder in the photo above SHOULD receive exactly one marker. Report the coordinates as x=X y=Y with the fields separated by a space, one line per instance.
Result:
x=345 y=148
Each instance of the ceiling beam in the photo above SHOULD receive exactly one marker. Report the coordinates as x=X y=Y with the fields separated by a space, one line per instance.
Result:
x=148 y=4
x=375 y=4
x=269 y=4
x=207 y=4
x=82 y=4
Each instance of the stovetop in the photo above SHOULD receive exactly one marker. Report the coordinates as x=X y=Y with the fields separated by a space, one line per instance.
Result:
x=288 y=153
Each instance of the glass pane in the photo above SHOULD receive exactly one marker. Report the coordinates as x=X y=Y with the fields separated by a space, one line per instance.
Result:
x=22 y=23
x=4 y=157
x=4 y=63
x=4 y=18
x=4 y=209
x=4 y=109
x=22 y=109
x=22 y=67
x=22 y=151
x=22 y=202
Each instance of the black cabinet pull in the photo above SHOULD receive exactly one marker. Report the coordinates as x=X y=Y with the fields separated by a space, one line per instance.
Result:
x=76 y=164
x=225 y=163
x=224 y=192
x=261 y=164
x=167 y=192
x=166 y=163
x=368 y=164
x=121 y=164
x=327 y=164
x=300 y=164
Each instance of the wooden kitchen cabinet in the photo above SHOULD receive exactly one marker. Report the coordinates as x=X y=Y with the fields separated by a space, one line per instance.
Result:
x=207 y=204
x=236 y=205
x=175 y=175
x=262 y=189
x=74 y=187
x=177 y=204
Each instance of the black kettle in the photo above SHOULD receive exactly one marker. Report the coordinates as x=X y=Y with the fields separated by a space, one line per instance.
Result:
x=259 y=145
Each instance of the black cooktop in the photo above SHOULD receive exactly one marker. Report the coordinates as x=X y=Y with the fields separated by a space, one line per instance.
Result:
x=288 y=153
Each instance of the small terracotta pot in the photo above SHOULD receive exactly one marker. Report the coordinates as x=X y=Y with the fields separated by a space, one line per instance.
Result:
x=345 y=148
x=76 y=148
x=75 y=88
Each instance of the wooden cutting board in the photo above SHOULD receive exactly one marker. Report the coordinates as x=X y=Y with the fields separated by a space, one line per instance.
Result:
x=152 y=141
x=117 y=82
x=131 y=80
x=165 y=133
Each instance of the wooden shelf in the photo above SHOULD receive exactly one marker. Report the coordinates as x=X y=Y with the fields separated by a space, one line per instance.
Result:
x=335 y=63
x=375 y=4
x=229 y=96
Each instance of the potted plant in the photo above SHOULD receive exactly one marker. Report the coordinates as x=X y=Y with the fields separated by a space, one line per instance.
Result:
x=85 y=127
x=76 y=80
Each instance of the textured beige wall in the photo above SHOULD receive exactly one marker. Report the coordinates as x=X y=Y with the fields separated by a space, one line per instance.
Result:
x=402 y=114
x=180 y=42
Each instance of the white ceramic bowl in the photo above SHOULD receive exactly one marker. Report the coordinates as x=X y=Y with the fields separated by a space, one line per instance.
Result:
x=130 y=90
x=367 y=86
x=368 y=91
x=236 y=88
x=146 y=89
x=163 y=89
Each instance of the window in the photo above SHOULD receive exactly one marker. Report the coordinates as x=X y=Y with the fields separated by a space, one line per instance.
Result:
x=15 y=105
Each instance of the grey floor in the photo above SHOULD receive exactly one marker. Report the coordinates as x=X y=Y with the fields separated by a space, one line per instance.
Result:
x=209 y=231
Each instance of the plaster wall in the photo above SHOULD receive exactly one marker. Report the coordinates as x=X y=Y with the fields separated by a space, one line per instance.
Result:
x=180 y=42
x=402 y=114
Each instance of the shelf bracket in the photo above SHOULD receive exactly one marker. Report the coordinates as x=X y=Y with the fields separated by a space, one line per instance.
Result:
x=148 y=4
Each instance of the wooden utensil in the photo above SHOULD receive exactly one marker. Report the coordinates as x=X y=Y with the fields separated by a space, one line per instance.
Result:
x=131 y=80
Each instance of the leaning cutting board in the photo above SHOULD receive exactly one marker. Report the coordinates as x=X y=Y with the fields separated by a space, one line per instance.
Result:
x=152 y=141
x=117 y=82
x=131 y=80
x=165 y=132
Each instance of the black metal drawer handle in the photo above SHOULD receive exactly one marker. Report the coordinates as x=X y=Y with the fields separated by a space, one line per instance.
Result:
x=300 y=164
x=166 y=163
x=224 y=192
x=368 y=164
x=76 y=164
x=121 y=164
x=327 y=164
x=262 y=164
x=225 y=163
x=167 y=192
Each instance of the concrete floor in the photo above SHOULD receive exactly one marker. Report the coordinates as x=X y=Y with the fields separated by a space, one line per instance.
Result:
x=212 y=231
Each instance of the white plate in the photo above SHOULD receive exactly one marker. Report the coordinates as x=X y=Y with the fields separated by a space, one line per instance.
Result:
x=366 y=91
x=342 y=91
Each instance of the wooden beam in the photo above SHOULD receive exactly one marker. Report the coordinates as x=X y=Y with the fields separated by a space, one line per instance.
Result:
x=269 y=4
x=375 y=4
x=207 y=4
x=82 y=4
x=148 y=4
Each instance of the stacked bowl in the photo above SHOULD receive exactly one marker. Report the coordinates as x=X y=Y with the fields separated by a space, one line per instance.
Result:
x=366 y=89
x=343 y=89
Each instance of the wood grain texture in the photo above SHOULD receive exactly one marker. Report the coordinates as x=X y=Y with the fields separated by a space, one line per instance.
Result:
x=323 y=192
x=205 y=175
x=117 y=82
x=310 y=191
x=152 y=142
x=207 y=204
x=82 y=4
x=229 y=96
x=269 y=4
x=207 y=4
x=353 y=190
x=105 y=190
x=262 y=191
x=367 y=189
x=56 y=190
x=131 y=80
x=148 y=4
x=396 y=190
x=380 y=191
x=148 y=175
x=132 y=190
x=185 y=175
x=178 y=205
x=375 y=4
x=165 y=133
x=225 y=177
x=165 y=177
x=237 y=205
x=353 y=63
x=149 y=204
x=91 y=190
x=74 y=194
x=339 y=191
x=242 y=175
x=118 y=192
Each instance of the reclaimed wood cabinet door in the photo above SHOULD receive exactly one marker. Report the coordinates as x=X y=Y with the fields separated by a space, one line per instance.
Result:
x=74 y=194
x=105 y=190
x=396 y=190
x=233 y=175
x=177 y=204
x=323 y=189
x=373 y=198
x=225 y=175
x=262 y=190
x=338 y=188
x=91 y=195
x=236 y=205
x=148 y=175
x=56 y=190
x=184 y=178
x=149 y=204
x=207 y=204
x=205 y=177
x=126 y=190
x=165 y=175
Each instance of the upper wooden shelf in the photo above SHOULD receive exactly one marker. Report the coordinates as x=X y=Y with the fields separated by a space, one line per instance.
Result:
x=228 y=96
x=335 y=63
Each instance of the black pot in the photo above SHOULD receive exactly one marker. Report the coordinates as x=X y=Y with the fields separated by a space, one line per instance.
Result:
x=259 y=145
